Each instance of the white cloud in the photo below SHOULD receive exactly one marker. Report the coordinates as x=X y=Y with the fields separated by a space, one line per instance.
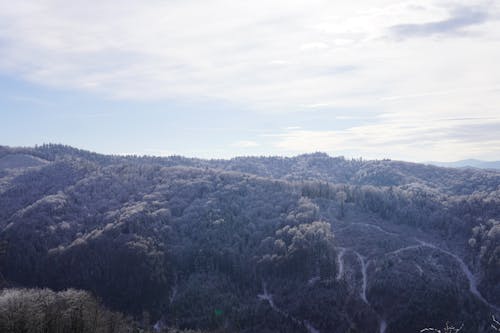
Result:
x=272 y=56
x=157 y=49
x=245 y=144
x=314 y=46
x=280 y=62
x=432 y=139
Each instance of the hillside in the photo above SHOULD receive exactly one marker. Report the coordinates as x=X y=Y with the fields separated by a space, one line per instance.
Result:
x=311 y=243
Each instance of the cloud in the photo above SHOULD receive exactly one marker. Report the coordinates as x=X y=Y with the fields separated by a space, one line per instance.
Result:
x=440 y=93
x=314 y=46
x=293 y=58
x=245 y=144
x=440 y=139
x=459 y=19
x=286 y=54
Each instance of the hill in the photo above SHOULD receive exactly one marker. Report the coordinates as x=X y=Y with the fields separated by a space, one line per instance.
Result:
x=310 y=243
x=470 y=163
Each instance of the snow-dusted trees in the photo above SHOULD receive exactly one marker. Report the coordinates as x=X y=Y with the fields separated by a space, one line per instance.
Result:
x=302 y=250
x=485 y=242
x=135 y=229
x=42 y=310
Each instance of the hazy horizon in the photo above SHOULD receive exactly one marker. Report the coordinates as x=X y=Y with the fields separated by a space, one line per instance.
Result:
x=413 y=81
x=476 y=163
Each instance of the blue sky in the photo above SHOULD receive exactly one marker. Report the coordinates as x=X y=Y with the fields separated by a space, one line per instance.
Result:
x=412 y=80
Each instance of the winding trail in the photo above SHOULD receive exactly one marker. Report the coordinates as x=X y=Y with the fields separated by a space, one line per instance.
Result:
x=383 y=326
x=369 y=225
x=159 y=326
x=419 y=268
x=374 y=226
x=265 y=296
x=364 y=272
x=312 y=281
x=316 y=277
x=420 y=244
x=310 y=328
x=364 y=267
x=340 y=260
x=465 y=269
x=406 y=248
x=173 y=295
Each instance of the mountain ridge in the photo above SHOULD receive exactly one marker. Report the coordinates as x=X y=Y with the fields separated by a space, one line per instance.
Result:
x=470 y=163
x=326 y=243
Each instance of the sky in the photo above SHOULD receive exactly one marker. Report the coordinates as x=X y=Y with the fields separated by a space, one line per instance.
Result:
x=408 y=80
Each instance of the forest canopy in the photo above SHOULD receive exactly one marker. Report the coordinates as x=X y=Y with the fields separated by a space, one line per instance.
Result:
x=251 y=244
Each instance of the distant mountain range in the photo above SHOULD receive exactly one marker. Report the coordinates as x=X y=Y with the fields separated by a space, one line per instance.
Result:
x=469 y=163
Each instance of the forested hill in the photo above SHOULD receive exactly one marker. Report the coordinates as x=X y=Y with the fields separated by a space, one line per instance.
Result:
x=256 y=244
x=313 y=167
